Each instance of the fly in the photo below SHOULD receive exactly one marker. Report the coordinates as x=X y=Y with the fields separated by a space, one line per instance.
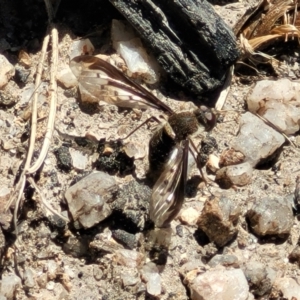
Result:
x=168 y=147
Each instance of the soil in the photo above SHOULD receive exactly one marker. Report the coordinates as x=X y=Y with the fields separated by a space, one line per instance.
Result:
x=45 y=245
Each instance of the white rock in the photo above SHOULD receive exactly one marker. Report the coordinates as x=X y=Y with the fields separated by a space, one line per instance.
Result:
x=213 y=163
x=9 y=285
x=256 y=140
x=87 y=199
x=81 y=47
x=220 y=284
x=7 y=70
x=50 y=285
x=4 y=193
x=271 y=216
x=277 y=101
x=129 y=258
x=129 y=277
x=150 y=274
x=79 y=160
x=29 y=278
x=189 y=216
x=66 y=77
x=289 y=287
x=130 y=47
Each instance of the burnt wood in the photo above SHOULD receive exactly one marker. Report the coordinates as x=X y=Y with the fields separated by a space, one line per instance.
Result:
x=189 y=39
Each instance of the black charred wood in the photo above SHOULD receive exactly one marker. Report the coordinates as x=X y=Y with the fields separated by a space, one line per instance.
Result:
x=189 y=39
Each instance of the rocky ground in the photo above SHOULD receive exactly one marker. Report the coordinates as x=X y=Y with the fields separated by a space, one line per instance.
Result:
x=235 y=238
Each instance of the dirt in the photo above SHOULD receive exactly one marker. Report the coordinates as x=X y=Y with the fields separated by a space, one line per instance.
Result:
x=47 y=246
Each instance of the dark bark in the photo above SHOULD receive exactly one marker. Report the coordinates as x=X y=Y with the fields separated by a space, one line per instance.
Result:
x=190 y=41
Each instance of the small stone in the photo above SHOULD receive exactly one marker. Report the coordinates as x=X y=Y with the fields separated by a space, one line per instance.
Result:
x=259 y=277
x=125 y=238
x=271 y=216
x=50 y=285
x=104 y=242
x=97 y=272
x=79 y=160
x=130 y=47
x=7 y=70
x=135 y=197
x=189 y=216
x=213 y=163
x=236 y=175
x=219 y=219
x=224 y=260
x=77 y=247
x=150 y=274
x=21 y=75
x=218 y=284
x=9 y=285
x=288 y=288
x=278 y=102
x=129 y=258
x=67 y=78
x=89 y=198
x=231 y=157
x=42 y=280
x=24 y=59
x=129 y=277
x=256 y=140
x=60 y=291
x=51 y=267
x=81 y=47
x=136 y=150
x=29 y=278
x=64 y=159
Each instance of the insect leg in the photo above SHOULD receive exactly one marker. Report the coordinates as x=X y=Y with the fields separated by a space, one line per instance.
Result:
x=142 y=124
x=199 y=167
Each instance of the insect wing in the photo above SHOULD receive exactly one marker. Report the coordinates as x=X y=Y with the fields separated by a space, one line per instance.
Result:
x=168 y=192
x=102 y=81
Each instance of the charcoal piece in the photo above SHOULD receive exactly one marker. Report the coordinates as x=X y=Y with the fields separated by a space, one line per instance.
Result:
x=189 y=39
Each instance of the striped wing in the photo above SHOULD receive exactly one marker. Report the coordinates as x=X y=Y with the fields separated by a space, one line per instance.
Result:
x=168 y=192
x=104 y=82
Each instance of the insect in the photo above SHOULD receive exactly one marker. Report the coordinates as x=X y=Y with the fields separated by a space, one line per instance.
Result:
x=168 y=147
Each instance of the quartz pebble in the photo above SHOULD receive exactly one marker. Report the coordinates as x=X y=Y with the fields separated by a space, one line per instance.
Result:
x=213 y=163
x=129 y=258
x=289 y=288
x=9 y=285
x=130 y=47
x=235 y=175
x=260 y=277
x=7 y=70
x=220 y=284
x=256 y=140
x=79 y=160
x=278 y=102
x=219 y=220
x=224 y=260
x=81 y=47
x=89 y=198
x=29 y=281
x=129 y=277
x=66 y=77
x=271 y=216
x=150 y=275
x=189 y=216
